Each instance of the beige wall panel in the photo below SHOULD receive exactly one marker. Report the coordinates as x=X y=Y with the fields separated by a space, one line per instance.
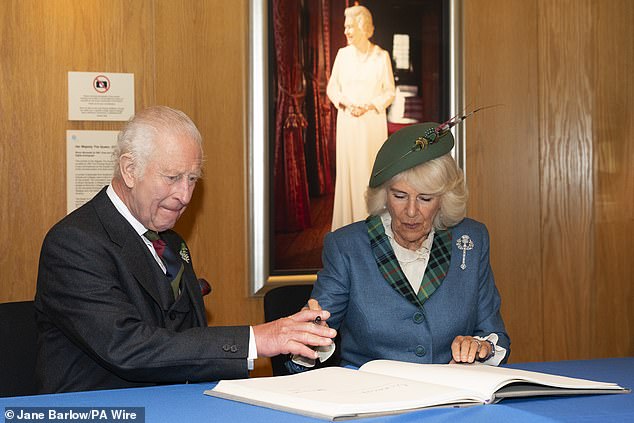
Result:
x=201 y=68
x=613 y=133
x=567 y=91
x=40 y=41
x=502 y=157
x=550 y=172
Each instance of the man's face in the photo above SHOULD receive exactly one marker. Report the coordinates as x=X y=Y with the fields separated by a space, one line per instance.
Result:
x=159 y=197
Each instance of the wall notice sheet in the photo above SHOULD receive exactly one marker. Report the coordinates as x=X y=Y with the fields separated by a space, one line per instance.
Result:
x=89 y=164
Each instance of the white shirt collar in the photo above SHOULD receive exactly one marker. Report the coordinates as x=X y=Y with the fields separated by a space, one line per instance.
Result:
x=125 y=212
x=413 y=263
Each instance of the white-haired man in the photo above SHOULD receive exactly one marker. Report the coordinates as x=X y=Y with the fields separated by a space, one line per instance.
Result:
x=118 y=303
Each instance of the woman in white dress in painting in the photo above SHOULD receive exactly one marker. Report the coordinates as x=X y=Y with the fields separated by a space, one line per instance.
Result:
x=361 y=86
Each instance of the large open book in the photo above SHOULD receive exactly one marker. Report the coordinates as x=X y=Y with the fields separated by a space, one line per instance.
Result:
x=388 y=387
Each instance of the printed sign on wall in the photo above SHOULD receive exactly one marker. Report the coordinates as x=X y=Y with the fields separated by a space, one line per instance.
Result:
x=100 y=96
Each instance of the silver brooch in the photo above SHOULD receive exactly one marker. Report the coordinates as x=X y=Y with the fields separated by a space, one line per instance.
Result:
x=464 y=244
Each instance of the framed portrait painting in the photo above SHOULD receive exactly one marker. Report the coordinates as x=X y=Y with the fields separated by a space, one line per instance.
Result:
x=292 y=122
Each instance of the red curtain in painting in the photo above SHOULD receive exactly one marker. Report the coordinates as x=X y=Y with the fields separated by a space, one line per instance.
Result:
x=320 y=132
x=292 y=205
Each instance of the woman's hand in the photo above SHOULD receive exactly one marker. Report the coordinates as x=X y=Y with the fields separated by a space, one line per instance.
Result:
x=358 y=111
x=467 y=349
x=314 y=305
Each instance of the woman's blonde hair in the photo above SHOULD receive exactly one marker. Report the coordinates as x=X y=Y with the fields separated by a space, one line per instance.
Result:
x=362 y=17
x=439 y=177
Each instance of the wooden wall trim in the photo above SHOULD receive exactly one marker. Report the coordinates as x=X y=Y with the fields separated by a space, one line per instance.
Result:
x=503 y=158
x=566 y=96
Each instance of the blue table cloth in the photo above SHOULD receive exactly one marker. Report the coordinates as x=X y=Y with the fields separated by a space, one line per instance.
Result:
x=187 y=403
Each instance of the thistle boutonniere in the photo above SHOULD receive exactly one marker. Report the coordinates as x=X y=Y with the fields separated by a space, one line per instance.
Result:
x=184 y=252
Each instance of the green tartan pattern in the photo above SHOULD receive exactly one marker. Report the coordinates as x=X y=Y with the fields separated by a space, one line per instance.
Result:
x=437 y=267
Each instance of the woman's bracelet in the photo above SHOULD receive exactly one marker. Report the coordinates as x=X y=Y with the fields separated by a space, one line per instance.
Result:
x=491 y=351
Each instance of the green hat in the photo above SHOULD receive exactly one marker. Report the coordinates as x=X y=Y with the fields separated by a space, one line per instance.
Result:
x=409 y=147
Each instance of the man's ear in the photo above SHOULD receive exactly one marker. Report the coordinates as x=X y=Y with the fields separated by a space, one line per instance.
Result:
x=127 y=166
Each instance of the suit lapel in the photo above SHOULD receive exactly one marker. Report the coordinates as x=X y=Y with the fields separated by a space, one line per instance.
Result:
x=387 y=262
x=189 y=282
x=132 y=247
x=437 y=267
x=147 y=272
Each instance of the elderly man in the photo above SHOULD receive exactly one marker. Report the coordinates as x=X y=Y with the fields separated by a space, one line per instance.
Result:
x=118 y=302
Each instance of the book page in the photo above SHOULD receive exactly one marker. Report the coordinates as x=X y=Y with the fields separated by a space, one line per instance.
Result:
x=477 y=377
x=334 y=391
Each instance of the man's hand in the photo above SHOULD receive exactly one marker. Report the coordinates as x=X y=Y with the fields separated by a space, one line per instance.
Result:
x=292 y=334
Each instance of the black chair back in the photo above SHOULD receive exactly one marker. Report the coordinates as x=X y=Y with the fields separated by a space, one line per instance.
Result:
x=18 y=346
x=282 y=302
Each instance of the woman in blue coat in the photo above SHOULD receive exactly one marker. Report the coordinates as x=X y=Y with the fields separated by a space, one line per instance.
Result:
x=413 y=282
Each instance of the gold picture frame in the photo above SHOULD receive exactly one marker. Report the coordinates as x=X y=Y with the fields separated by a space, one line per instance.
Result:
x=261 y=277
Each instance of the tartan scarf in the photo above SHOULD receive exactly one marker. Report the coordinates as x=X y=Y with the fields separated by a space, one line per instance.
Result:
x=437 y=266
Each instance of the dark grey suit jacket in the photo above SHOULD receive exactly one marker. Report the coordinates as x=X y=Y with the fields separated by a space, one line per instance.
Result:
x=105 y=323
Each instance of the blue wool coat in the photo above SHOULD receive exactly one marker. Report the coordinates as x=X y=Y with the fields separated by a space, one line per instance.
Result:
x=375 y=321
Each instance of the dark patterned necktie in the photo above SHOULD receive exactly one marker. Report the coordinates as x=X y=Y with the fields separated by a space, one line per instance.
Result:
x=172 y=262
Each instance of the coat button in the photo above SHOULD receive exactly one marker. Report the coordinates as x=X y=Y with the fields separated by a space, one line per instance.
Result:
x=234 y=348
x=420 y=351
x=172 y=315
x=418 y=317
x=226 y=347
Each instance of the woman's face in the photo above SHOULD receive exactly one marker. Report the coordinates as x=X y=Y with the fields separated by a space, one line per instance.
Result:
x=412 y=214
x=353 y=33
